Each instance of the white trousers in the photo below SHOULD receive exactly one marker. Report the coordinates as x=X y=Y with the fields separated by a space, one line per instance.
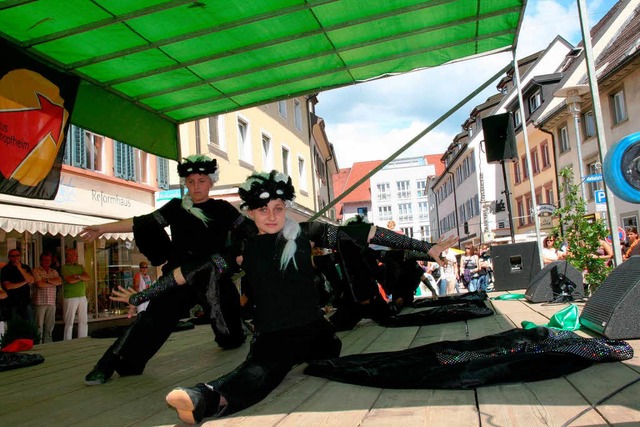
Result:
x=70 y=307
x=46 y=320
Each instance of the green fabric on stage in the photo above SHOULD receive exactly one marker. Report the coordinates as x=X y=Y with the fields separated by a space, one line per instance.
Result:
x=566 y=319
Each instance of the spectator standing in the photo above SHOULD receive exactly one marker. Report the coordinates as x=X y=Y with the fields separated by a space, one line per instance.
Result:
x=75 y=294
x=632 y=237
x=141 y=281
x=470 y=266
x=16 y=282
x=47 y=281
x=449 y=267
x=486 y=268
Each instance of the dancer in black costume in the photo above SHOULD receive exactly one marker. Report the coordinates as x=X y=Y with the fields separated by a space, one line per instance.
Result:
x=290 y=327
x=199 y=228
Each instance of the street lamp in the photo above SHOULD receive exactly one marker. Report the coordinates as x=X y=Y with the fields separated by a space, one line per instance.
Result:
x=573 y=95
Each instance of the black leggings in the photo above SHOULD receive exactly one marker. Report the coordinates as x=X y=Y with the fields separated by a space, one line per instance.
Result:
x=271 y=357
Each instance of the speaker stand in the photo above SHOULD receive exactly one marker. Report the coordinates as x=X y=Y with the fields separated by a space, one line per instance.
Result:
x=566 y=290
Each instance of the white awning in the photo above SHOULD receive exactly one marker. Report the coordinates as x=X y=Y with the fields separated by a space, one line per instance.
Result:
x=37 y=220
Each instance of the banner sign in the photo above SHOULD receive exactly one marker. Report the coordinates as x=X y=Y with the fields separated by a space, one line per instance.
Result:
x=36 y=102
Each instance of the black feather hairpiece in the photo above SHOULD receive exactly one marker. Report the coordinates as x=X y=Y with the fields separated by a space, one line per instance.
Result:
x=260 y=188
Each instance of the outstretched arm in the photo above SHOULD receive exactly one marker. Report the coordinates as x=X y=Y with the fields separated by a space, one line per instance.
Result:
x=92 y=232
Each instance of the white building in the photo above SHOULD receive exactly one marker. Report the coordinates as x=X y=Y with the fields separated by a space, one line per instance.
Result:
x=399 y=197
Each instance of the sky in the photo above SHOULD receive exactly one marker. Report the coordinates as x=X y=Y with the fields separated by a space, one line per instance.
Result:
x=370 y=121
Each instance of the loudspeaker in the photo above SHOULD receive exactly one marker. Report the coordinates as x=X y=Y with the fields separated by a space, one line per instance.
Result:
x=613 y=310
x=557 y=281
x=514 y=265
x=499 y=138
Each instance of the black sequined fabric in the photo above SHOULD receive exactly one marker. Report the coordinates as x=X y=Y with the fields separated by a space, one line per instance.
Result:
x=512 y=356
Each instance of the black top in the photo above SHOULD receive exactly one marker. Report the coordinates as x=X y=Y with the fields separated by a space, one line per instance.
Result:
x=21 y=296
x=190 y=236
x=282 y=299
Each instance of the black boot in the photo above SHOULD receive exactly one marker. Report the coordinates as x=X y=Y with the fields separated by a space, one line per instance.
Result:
x=103 y=370
x=194 y=403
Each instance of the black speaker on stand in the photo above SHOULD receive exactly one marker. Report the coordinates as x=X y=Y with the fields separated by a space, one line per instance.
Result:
x=499 y=138
x=514 y=265
x=557 y=282
x=614 y=309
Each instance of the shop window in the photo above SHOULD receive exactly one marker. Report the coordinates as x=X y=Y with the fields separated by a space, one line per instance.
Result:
x=162 y=166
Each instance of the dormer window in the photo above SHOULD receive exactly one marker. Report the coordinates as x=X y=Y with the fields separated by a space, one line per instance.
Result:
x=516 y=118
x=535 y=101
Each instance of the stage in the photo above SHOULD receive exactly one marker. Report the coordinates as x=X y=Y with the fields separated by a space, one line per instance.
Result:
x=53 y=393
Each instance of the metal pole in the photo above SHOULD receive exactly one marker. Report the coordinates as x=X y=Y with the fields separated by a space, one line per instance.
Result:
x=507 y=195
x=574 y=107
x=597 y=113
x=534 y=202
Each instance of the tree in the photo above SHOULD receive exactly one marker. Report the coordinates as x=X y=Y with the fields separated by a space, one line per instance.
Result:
x=583 y=235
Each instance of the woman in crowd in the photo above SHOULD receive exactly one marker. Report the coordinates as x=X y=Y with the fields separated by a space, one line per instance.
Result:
x=469 y=268
x=290 y=327
x=549 y=252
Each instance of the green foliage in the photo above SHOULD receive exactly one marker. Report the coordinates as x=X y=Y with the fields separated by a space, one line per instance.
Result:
x=20 y=329
x=582 y=235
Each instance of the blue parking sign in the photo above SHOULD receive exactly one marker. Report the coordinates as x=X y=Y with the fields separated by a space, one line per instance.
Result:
x=599 y=196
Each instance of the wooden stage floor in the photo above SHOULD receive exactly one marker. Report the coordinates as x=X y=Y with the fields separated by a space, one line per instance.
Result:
x=54 y=394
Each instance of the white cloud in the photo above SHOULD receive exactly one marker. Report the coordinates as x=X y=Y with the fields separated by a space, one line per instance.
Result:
x=371 y=120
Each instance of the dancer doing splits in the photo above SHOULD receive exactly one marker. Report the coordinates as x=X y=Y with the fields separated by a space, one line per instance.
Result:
x=290 y=327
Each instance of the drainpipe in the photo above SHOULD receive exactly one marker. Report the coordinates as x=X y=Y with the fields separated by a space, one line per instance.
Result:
x=455 y=202
x=437 y=212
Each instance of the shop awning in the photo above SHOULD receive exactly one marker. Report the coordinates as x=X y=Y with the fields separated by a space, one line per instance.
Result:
x=148 y=65
x=37 y=220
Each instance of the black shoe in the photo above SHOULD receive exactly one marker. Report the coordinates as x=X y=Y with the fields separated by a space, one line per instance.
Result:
x=98 y=376
x=194 y=403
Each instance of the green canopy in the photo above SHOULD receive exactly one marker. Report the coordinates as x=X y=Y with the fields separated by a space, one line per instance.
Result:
x=148 y=65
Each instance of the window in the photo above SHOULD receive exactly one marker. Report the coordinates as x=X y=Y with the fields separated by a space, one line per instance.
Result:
x=363 y=212
x=529 y=201
x=302 y=173
x=162 y=166
x=297 y=114
x=384 y=213
x=282 y=108
x=516 y=172
x=516 y=118
x=216 y=133
x=546 y=159
x=267 y=152
x=285 y=160
x=535 y=101
x=403 y=189
x=424 y=232
x=321 y=168
x=521 y=216
x=423 y=211
x=384 y=192
x=548 y=194
x=404 y=212
x=124 y=161
x=525 y=167
x=83 y=149
x=535 y=163
x=564 y=139
x=619 y=108
x=421 y=187
x=408 y=231
x=589 y=124
x=244 y=145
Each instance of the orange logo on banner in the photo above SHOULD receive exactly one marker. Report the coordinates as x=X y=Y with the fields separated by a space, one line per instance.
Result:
x=32 y=119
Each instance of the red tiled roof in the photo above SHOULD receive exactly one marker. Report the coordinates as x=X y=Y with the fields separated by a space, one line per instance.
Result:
x=434 y=159
x=350 y=176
